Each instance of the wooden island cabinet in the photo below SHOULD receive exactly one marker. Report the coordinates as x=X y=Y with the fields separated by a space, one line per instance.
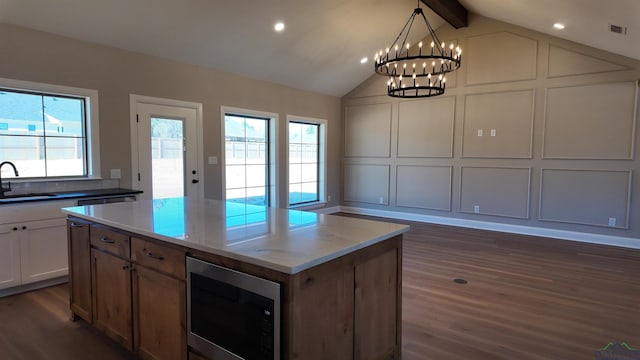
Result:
x=343 y=301
x=347 y=308
x=79 y=247
x=128 y=291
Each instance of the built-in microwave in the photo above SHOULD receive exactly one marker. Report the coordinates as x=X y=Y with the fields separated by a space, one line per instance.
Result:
x=232 y=315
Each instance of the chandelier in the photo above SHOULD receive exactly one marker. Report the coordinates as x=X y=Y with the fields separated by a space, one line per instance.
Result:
x=417 y=72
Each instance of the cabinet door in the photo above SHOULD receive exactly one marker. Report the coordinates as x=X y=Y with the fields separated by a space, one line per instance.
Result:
x=159 y=315
x=9 y=256
x=43 y=250
x=377 y=307
x=112 y=296
x=79 y=269
x=322 y=322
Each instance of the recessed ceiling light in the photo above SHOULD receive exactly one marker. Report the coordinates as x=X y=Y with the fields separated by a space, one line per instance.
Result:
x=558 y=26
x=279 y=26
x=364 y=60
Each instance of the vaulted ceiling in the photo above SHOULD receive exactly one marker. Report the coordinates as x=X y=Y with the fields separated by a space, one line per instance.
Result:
x=323 y=41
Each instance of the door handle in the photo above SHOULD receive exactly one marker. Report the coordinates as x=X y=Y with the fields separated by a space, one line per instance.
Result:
x=195 y=181
x=154 y=256
x=105 y=239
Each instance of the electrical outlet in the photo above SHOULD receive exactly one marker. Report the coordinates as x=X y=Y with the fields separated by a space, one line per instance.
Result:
x=381 y=200
x=480 y=132
x=612 y=221
x=328 y=197
x=212 y=160
x=493 y=132
x=476 y=209
x=116 y=173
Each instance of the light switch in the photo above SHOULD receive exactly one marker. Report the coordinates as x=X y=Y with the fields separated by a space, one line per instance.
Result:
x=493 y=132
x=480 y=132
x=212 y=160
x=116 y=173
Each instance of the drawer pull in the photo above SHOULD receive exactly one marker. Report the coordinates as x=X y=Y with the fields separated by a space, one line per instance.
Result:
x=153 y=256
x=105 y=239
x=74 y=225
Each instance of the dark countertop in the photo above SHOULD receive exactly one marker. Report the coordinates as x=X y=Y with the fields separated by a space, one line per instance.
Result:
x=78 y=194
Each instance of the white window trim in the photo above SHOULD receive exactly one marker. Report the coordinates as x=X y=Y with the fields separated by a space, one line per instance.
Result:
x=93 y=127
x=322 y=161
x=273 y=150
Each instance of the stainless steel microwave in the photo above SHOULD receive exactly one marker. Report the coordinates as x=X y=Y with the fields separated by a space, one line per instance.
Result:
x=232 y=315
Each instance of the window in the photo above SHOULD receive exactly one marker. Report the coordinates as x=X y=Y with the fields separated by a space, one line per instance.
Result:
x=45 y=130
x=247 y=158
x=306 y=161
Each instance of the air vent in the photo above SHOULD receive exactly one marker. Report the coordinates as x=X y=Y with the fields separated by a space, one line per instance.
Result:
x=618 y=29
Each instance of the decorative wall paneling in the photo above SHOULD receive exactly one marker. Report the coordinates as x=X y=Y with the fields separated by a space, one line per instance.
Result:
x=595 y=121
x=425 y=127
x=507 y=133
x=425 y=187
x=366 y=183
x=565 y=62
x=499 y=57
x=367 y=130
x=495 y=191
x=554 y=105
x=590 y=197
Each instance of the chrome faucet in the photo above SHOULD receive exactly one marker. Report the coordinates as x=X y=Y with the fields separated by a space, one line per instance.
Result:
x=8 y=188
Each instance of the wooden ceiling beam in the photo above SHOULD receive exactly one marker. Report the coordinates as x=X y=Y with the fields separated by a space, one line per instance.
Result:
x=450 y=10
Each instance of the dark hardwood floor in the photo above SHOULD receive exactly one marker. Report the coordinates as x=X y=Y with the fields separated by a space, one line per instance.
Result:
x=525 y=298
x=36 y=326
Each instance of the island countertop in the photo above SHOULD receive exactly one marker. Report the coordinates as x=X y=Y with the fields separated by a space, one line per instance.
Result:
x=284 y=240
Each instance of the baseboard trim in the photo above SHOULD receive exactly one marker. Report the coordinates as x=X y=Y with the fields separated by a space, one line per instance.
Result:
x=626 y=242
x=33 y=286
x=327 y=210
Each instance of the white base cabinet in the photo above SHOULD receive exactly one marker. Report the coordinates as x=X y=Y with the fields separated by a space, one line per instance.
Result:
x=43 y=250
x=33 y=243
x=9 y=256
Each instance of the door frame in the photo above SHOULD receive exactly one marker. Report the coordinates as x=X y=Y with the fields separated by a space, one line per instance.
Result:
x=134 y=100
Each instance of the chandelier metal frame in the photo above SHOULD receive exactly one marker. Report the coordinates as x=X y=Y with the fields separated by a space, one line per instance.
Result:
x=417 y=74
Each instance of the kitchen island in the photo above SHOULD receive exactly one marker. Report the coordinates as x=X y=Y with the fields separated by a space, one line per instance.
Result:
x=340 y=277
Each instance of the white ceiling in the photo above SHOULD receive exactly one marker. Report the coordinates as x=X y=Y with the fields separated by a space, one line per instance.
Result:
x=324 y=40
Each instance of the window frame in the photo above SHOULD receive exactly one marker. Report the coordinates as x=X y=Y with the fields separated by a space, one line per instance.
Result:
x=272 y=150
x=322 y=156
x=91 y=123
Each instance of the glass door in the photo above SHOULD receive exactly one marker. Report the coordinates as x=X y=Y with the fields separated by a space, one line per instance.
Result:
x=167 y=151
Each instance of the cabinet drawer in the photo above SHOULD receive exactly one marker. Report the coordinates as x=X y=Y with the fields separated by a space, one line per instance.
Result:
x=109 y=240
x=159 y=257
